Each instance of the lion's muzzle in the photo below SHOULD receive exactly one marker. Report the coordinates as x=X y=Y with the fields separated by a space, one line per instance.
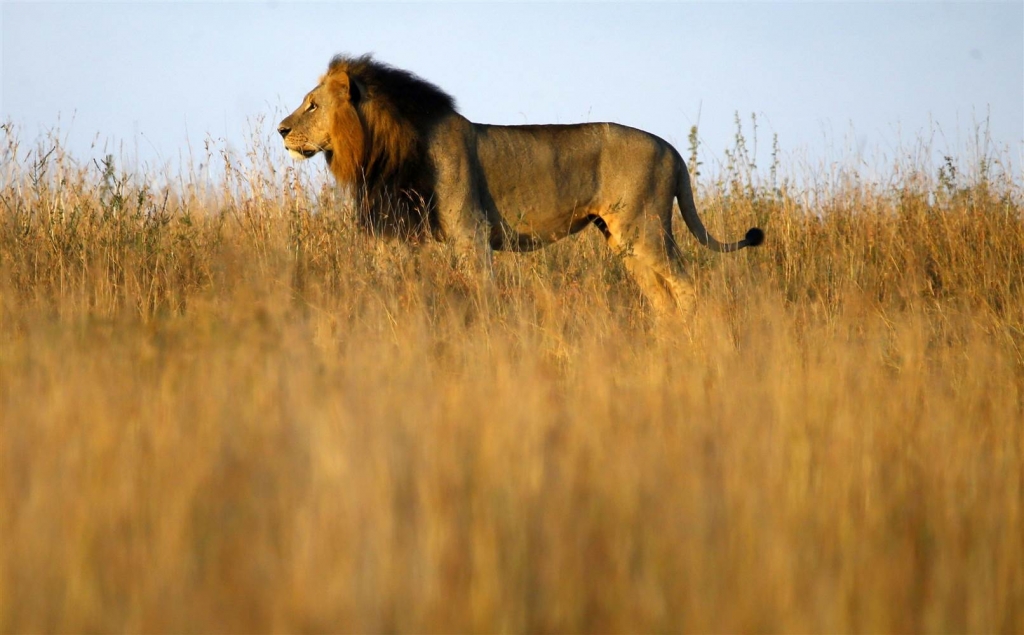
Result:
x=301 y=153
x=298 y=148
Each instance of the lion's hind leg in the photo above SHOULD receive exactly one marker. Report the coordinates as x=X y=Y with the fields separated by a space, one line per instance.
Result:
x=665 y=283
x=656 y=288
x=652 y=259
x=668 y=265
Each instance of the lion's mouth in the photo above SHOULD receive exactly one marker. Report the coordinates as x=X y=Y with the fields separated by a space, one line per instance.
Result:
x=302 y=153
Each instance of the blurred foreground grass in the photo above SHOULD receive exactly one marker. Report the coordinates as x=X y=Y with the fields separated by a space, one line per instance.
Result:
x=222 y=409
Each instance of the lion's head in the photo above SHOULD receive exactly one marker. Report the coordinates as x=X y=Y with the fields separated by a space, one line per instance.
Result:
x=368 y=119
x=327 y=121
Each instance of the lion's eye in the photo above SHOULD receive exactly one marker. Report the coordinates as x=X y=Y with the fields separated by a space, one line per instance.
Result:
x=311 y=107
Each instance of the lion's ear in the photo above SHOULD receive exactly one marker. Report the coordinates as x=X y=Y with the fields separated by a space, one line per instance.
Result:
x=355 y=91
x=342 y=84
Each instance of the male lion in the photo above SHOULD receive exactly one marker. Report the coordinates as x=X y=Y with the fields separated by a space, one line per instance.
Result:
x=417 y=166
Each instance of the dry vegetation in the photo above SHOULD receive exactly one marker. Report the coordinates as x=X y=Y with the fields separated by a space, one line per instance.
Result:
x=224 y=409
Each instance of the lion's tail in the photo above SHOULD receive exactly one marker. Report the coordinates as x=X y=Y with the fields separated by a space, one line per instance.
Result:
x=684 y=193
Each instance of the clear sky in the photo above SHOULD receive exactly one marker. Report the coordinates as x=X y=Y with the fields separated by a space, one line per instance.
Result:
x=830 y=79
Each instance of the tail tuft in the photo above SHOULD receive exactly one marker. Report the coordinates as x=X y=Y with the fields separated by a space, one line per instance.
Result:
x=754 y=237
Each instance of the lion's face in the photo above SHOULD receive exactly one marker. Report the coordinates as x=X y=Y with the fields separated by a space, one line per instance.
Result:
x=307 y=131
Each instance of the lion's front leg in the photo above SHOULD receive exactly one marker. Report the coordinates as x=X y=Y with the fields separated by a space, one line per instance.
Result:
x=465 y=226
x=468 y=231
x=469 y=234
x=461 y=217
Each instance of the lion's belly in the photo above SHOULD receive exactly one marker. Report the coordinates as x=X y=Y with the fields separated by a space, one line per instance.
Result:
x=527 y=231
x=534 y=213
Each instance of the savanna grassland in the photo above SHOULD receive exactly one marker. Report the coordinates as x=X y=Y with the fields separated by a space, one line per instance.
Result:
x=224 y=409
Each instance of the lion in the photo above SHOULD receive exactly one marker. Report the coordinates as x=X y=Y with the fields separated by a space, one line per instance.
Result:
x=418 y=168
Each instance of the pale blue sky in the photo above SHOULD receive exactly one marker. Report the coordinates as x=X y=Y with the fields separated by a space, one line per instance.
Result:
x=149 y=76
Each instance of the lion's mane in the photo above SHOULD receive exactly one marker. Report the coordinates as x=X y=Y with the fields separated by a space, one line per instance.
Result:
x=379 y=138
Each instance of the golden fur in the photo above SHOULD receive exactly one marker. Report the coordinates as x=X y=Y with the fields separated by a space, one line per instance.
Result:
x=416 y=166
x=347 y=136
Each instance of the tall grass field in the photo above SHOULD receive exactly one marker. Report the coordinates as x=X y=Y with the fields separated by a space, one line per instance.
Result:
x=224 y=408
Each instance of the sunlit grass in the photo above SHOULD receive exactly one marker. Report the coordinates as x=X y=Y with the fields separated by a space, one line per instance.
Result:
x=223 y=409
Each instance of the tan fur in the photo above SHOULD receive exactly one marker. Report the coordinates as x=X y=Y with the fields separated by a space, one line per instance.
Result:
x=346 y=135
x=418 y=166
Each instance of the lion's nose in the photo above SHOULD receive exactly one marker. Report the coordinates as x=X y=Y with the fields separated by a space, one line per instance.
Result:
x=284 y=130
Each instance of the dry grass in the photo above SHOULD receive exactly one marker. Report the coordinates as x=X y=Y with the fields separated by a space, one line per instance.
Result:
x=224 y=410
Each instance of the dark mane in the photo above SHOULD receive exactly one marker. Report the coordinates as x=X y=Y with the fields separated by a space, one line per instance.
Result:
x=415 y=99
x=397 y=110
